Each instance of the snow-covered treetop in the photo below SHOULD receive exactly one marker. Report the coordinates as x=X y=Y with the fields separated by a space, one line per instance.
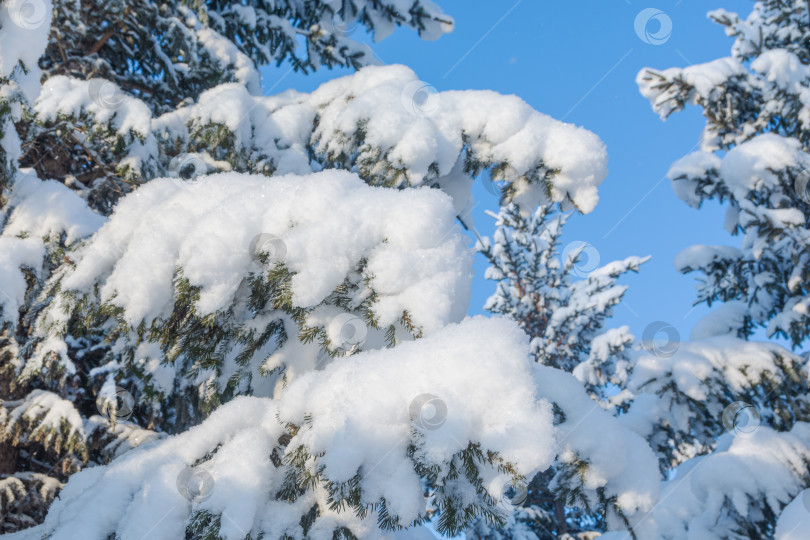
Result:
x=441 y=139
x=761 y=87
x=682 y=394
x=321 y=228
x=754 y=156
x=209 y=283
x=38 y=215
x=736 y=491
x=561 y=297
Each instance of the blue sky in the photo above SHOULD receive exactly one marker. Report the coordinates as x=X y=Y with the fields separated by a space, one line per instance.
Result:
x=577 y=60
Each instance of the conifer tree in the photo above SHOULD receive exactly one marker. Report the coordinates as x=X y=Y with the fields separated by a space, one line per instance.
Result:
x=561 y=298
x=731 y=416
x=57 y=413
x=251 y=311
x=753 y=157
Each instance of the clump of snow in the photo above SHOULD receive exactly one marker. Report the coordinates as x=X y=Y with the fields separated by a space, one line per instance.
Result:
x=755 y=162
x=739 y=363
x=348 y=123
x=700 y=256
x=63 y=95
x=26 y=26
x=685 y=172
x=752 y=165
x=619 y=461
x=764 y=468
x=702 y=78
x=327 y=222
x=783 y=68
x=227 y=53
x=794 y=522
x=360 y=413
x=726 y=319
x=129 y=117
x=37 y=211
x=124 y=435
x=432 y=128
x=56 y=419
x=44 y=208
x=16 y=253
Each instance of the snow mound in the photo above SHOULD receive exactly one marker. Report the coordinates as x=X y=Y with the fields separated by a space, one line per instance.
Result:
x=321 y=225
x=361 y=413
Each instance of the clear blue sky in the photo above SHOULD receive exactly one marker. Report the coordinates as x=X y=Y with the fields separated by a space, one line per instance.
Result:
x=577 y=60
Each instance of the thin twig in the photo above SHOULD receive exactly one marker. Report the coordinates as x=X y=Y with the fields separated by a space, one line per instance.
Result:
x=100 y=43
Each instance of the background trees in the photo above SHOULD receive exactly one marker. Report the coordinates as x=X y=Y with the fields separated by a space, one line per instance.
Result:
x=753 y=157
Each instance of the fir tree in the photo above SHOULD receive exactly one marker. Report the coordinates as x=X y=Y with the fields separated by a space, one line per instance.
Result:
x=754 y=158
x=225 y=307
x=737 y=433
x=562 y=299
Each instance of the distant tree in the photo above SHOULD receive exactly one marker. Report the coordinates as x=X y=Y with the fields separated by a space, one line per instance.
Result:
x=562 y=299
x=728 y=418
